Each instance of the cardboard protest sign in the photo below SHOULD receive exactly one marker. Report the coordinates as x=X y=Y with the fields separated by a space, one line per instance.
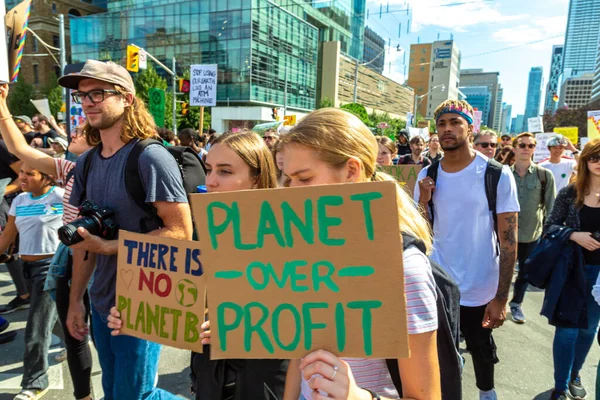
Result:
x=294 y=270
x=156 y=106
x=477 y=117
x=423 y=132
x=16 y=29
x=160 y=290
x=405 y=174
x=593 y=126
x=76 y=116
x=203 y=89
x=4 y=75
x=43 y=106
x=541 y=149
x=570 y=132
x=535 y=124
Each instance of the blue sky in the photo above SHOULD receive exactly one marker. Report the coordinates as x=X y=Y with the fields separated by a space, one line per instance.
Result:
x=479 y=26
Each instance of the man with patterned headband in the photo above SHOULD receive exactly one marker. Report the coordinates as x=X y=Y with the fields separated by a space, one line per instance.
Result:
x=477 y=248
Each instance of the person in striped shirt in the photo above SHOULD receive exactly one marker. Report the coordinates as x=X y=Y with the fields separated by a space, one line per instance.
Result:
x=331 y=146
x=78 y=351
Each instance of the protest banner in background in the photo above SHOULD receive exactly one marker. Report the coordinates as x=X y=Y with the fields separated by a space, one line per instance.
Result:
x=76 y=116
x=423 y=132
x=156 y=106
x=571 y=133
x=541 y=149
x=161 y=290
x=593 y=124
x=16 y=29
x=583 y=141
x=405 y=174
x=535 y=125
x=203 y=85
x=4 y=75
x=43 y=106
x=295 y=270
x=477 y=116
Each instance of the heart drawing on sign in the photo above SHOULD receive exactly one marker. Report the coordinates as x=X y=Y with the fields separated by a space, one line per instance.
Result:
x=127 y=277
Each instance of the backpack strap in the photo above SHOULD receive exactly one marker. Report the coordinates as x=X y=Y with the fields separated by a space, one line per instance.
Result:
x=135 y=186
x=542 y=177
x=493 y=172
x=87 y=165
x=432 y=172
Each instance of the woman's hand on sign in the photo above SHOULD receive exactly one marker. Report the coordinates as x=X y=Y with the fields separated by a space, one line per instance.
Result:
x=585 y=240
x=205 y=334
x=326 y=372
x=114 y=321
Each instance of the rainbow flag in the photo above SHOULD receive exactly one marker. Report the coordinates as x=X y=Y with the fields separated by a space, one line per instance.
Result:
x=16 y=26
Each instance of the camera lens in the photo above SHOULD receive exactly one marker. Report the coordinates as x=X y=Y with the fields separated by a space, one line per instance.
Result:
x=68 y=233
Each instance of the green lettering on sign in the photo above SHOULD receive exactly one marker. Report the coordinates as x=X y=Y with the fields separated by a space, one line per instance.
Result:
x=325 y=222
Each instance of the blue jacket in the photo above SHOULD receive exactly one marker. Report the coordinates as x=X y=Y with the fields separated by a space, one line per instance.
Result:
x=557 y=265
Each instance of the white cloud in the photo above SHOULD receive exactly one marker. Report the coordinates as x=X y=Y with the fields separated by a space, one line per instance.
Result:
x=455 y=15
x=538 y=28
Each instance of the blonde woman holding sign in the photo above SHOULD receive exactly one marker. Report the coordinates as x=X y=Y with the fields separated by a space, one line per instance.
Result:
x=331 y=146
x=235 y=161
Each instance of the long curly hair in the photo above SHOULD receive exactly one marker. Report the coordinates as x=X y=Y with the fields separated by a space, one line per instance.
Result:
x=138 y=123
x=582 y=179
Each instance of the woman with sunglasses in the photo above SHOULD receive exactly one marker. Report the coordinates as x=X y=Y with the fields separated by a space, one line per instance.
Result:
x=79 y=356
x=577 y=207
x=486 y=142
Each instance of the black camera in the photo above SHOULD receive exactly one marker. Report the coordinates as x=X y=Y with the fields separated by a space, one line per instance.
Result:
x=97 y=220
x=596 y=236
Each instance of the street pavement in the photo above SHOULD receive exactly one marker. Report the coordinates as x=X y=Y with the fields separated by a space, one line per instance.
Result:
x=525 y=370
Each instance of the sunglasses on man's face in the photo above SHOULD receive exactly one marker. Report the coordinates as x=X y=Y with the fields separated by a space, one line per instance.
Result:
x=523 y=145
x=269 y=137
x=506 y=139
x=485 y=145
x=594 y=159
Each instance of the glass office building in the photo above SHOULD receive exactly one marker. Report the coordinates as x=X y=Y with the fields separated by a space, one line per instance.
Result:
x=259 y=47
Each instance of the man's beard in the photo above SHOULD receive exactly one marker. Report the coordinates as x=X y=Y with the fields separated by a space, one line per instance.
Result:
x=106 y=122
x=457 y=145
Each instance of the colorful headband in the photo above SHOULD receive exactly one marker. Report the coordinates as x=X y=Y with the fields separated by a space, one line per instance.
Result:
x=457 y=109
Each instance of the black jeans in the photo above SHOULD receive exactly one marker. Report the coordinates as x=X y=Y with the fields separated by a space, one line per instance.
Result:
x=38 y=331
x=480 y=344
x=521 y=284
x=15 y=269
x=79 y=355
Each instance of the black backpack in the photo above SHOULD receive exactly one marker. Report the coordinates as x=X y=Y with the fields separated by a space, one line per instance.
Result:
x=448 y=313
x=493 y=172
x=191 y=168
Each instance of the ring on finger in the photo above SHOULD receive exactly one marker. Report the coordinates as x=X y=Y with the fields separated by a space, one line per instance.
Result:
x=335 y=370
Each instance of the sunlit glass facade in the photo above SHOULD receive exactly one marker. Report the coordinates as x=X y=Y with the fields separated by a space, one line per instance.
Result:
x=253 y=42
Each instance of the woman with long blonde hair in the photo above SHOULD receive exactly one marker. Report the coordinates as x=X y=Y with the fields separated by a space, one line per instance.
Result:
x=331 y=146
x=577 y=207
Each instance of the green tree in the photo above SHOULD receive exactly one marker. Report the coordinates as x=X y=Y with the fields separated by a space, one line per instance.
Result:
x=360 y=111
x=19 y=99
x=326 y=102
x=146 y=80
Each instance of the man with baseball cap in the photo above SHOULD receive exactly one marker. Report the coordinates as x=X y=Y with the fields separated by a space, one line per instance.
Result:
x=562 y=167
x=116 y=121
x=506 y=140
x=25 y=126
x=465 y=243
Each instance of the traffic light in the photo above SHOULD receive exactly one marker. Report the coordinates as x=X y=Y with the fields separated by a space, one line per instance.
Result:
x=185 y=108
x=184 y=85
x=274 y=112
x=133 y=62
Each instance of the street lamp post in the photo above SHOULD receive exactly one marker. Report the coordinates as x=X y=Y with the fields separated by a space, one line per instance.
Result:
x=418 y=99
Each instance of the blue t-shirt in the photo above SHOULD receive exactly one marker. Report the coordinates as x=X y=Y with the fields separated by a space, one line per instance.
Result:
x=106 y=187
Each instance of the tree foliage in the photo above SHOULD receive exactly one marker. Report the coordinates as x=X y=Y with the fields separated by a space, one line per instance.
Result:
x=19 y=98
x=359 y=110
x=326 y=102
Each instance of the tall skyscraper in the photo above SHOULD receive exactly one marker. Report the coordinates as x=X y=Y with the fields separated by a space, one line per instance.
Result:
x=497 y=125
x=479 y=97
x=576 y=92
x=553 y=86
x=596 y=86
x=534 y=94
x=582 y=37
x=434 y=65
x=506 y=118
x=373 y=53
x=477 y=77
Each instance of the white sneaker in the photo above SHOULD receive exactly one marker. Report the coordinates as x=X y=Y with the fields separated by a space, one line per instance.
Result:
x=489 y=395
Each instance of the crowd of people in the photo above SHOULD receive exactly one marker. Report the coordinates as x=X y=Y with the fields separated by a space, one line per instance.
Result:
x=512 y=204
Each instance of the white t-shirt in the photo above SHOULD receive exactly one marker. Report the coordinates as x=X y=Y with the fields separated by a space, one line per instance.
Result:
x=562 y=171
x=37 y=220
x=421 y=310
x=464 y=241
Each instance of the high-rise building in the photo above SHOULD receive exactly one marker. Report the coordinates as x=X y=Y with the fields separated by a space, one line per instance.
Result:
x=479 y=97
x=595 y=96
x=553 y=86
x=534 y=94
x=373 y=52
x=497 y=125
x=477 y=77
x=506 y=118
x=576 y=92
x=434 y=71
x=517 y=124
x=582 y=37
